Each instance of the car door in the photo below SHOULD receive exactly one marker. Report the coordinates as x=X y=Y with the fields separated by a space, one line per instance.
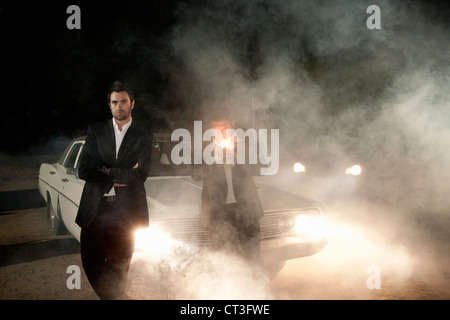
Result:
x=71 y=190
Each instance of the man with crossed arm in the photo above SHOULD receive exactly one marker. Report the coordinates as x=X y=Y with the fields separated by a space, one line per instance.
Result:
x=115 y=162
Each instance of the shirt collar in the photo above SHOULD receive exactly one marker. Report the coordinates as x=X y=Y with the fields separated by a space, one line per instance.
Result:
x=124 y=127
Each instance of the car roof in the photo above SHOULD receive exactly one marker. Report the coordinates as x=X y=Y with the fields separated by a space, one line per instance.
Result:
x=156 y=135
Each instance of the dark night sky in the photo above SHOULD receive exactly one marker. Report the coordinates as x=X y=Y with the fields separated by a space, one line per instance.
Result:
x=56 y=79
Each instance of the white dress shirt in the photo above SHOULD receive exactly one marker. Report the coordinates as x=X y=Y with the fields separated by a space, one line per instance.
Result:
x=119 y=138
x=230 y=193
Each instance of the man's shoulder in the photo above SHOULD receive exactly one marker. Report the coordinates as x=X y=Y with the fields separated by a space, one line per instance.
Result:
x=101 y=125
x=141 y=128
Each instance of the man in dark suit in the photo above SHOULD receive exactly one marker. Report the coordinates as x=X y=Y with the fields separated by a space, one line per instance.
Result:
x=115 y=162
x=231 y=207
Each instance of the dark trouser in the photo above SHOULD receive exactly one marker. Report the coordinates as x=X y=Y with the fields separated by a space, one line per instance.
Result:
x=107 y=246
x=234 y=228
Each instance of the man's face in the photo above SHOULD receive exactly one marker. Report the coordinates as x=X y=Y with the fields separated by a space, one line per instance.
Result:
x=120 y=105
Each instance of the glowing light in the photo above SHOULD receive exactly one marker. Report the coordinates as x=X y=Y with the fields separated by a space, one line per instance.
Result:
x=354 y=170
x=227 y=143
x=311 y=226
x=154 y=240
x=353 y=245
x=298 y=167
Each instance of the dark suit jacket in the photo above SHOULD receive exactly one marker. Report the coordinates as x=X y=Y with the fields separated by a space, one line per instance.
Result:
x=215 y=190
x=100 y=150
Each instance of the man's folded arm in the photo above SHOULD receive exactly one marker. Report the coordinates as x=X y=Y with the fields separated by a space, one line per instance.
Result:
x=90 y=161
x=139 y=172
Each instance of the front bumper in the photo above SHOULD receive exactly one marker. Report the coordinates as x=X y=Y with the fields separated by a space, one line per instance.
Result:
x=287 y=248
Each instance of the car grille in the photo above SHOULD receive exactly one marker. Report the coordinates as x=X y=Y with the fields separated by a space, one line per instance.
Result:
x=191 y=231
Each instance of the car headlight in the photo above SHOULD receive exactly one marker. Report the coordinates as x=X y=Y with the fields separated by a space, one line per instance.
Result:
x=155 y=239
x=309 y=224
x=354 y=170
x=285 y=223
x=299 y=167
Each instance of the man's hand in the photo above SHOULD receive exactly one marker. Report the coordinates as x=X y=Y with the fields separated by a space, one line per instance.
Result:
x=124 y=185
x=106 y=171
x=120 y=185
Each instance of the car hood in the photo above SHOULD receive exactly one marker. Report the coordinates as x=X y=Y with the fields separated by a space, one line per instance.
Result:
x=180 y=198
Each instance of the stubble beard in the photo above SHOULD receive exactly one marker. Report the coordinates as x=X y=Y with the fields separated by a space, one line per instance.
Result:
x=121 y=116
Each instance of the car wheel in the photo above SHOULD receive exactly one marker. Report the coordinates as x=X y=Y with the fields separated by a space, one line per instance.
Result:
x=56 y=225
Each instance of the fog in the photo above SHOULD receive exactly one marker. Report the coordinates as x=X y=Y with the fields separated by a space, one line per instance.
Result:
x=315 y=71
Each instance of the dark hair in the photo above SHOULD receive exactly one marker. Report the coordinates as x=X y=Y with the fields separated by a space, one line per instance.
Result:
x=118 y=86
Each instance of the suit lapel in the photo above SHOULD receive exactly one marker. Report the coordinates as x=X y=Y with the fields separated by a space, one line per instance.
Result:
x=110 y=142
x=130 y=136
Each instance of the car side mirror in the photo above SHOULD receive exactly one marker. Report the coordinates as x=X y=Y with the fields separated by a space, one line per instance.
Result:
x=73 y=171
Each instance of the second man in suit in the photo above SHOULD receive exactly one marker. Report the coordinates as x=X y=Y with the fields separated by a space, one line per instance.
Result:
x=230 y=205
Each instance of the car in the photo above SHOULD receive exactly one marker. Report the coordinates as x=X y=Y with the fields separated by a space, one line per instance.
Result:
x=325 y=172
x=292 y=225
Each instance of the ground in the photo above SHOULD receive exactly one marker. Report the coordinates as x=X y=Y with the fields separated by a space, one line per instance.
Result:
x=409 y=253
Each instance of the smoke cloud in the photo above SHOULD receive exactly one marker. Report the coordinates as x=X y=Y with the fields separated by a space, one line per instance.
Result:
x=197 y=275
x=315 y=71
